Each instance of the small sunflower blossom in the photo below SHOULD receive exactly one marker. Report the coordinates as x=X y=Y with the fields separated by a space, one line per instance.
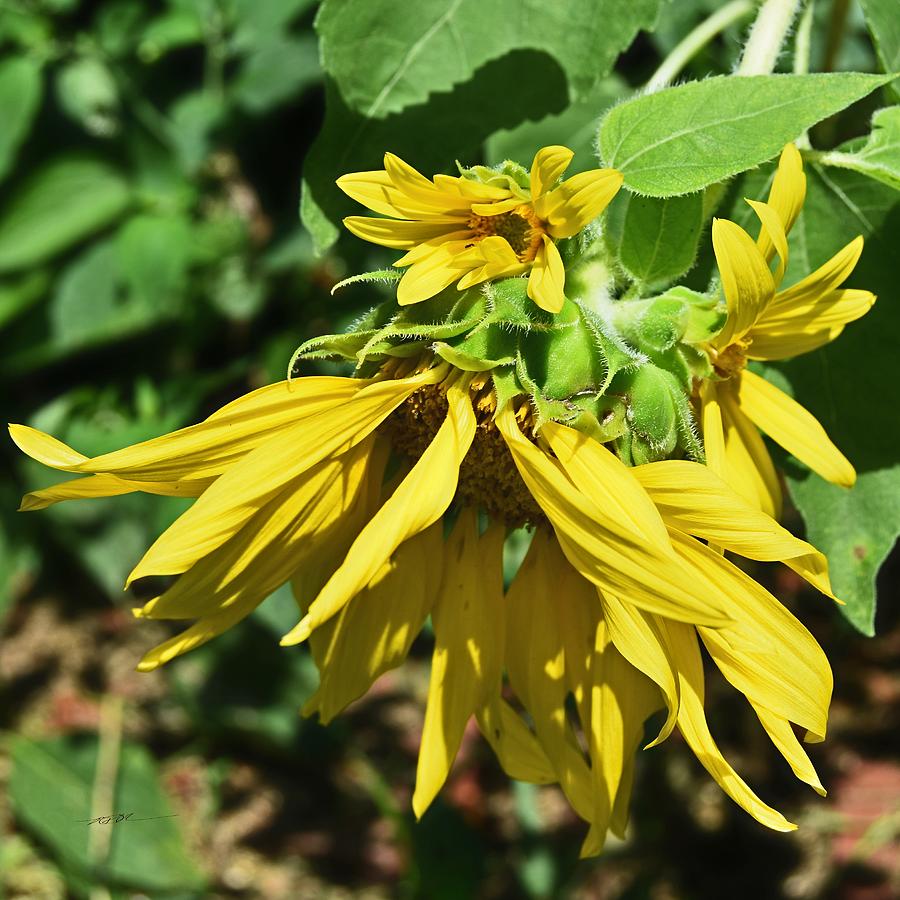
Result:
x=611 y=605
x=467 y=231
x=765 y=323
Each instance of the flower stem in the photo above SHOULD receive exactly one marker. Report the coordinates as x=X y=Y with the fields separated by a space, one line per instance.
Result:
x=766 y=37
x=685 y=51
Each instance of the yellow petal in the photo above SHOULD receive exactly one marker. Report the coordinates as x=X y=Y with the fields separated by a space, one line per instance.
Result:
x=794 y=428
x=548 y=165
x=268 y=550
x=787 y=344
x=693 y=499
x=786 y=196
x=374 y=632
x=748 y=466
x=400 y=235
x=376 y=191
x=783 y=737
x=546 y=283
x=692 y=724
x=713 y=428
x=577 y=201
x=536 y=665
x=430 y=274
x=602 y=476
x=208 y=448
x=516 y=746
x=468 y=649
x=419 y=501
x=228 y=504
x=823 y=281
x=746 y=280
x=766 y=653
x=601 y=546
x=470 y=189
x=92 y=486
x=772 y=225
x=637 y=636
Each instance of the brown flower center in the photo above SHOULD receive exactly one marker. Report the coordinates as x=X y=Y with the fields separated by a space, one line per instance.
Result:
x=488 y=477
x=730 y=361
x=520 y=227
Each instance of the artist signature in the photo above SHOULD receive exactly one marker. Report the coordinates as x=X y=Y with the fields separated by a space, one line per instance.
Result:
x=121 y=817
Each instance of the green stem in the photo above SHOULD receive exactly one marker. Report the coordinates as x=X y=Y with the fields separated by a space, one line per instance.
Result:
x=837 y=22
x=766 y=37
x=691 y=45
x=802 y=52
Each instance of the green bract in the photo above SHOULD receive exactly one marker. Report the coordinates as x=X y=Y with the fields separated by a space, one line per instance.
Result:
x=622 y=373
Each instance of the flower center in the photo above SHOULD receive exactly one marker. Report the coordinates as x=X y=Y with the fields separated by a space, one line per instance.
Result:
x=488 y=476
x=731 y=360
x=519 y=227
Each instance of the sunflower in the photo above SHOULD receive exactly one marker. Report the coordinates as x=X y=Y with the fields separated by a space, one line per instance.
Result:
x=388 y=499
x=467 y=231
x=766 y=324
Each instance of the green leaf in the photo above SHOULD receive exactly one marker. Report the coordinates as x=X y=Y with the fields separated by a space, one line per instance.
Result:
x=884 y=26
x=61 y=203
x=276 y=71
x=684 y=138
x=844 y=385
x=20 y=97
x=19 y=295
x=879 y=157
x=50 y=786
x=154 y=251
x=87 y=91
x=193 y=118
x=659 y=240
x=385 y=55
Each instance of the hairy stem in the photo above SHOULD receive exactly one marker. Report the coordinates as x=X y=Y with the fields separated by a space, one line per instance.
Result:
x=766 y=37
x=691 y=45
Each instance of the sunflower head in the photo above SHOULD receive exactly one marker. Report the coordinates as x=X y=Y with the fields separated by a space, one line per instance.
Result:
x=481 y=225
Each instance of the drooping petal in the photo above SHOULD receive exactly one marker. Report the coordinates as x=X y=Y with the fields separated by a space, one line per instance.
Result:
x=766 y=653
x=547 y=280
x=208 y=448
x=603 y=477
x=420 y=500
x=373 y=633
x=783 y=737
x=637 y=636
x=746 y=280
x=548 y=165
x=601 y=546
x=748 y=466
x=489 y=259
x=92 y=486
x=693 y=499
x=794 y=428
x=692 y=724
x=536 y=661
x=468 y=654
x=713 y=428
x=226 y=506
x=516 y=746
x=577 y=201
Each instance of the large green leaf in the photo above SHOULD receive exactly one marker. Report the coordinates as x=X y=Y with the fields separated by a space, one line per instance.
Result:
x=879 y=157
x=481 y=67
x=50 y=786
x=684 y=138
x=61 y=203
x=846 y=385
x=20 y=96
x=385 y=55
